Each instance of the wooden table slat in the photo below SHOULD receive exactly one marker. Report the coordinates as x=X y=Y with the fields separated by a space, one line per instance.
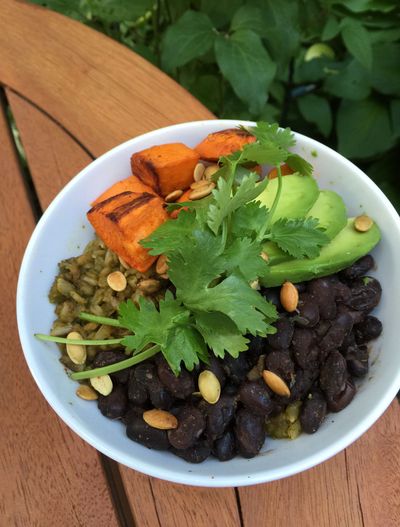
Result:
x=45 y=468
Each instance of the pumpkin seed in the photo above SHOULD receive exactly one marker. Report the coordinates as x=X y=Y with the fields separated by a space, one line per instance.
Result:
x=162 y=265
x=149 y=286
x=210 y=171
x=86 y=392
x=76 y=352
x=289 y=297
x=117 y=281
x=209 y=386
x=202 y=192
x=199 y=184
x=276 y=384
x=160 y=419
x=173 y=196
x=363 y=223
x=198 y=171
x=102 y=384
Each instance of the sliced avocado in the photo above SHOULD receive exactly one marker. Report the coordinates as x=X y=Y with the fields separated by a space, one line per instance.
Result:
x=347 y=247
x=329 y=209
x=299 y=193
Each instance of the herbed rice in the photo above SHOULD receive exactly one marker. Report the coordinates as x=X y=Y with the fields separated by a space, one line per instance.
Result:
x=81 y=286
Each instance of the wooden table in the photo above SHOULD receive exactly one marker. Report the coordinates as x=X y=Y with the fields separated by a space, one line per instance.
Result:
x=74 y=94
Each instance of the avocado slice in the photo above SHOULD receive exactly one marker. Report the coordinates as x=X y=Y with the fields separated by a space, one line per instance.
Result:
x=347 y=247
x=299 y=193
x=330 y=210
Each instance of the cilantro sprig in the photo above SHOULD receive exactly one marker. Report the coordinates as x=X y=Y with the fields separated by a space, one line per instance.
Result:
x=214 y=255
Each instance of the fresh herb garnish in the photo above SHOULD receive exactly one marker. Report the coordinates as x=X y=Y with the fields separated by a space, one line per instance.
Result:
x=214 y=253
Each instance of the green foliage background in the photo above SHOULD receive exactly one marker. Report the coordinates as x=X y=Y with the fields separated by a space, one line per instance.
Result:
x=327 y=68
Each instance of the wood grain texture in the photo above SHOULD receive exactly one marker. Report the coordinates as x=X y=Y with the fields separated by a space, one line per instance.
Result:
x=99 y=90
x=373 y=464
x=53 y=156
x=357 y=488
x=46 y=471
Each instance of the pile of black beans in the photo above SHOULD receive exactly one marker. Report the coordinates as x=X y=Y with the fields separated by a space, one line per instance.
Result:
x=319 y=351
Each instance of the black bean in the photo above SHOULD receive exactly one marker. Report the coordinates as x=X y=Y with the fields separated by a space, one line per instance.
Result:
x=191 y=424
x=219 y=416
x=304 y=379
x=181 y=386
x=370 y=328
x=114 y=405
x=307 y=312
x=236 y=369
x=365 y=294
x=333 y=374
x=321 y=329
x=137 y=391
x=301 y=287
x=358 y=269
x=323 y=290
x=335 y=335
x=280 y=363
x=160 y=397
x=313 y=412
x=284 y=333
x=144 y=373
x=230 y=389
x=216 y=367
x=142 y=433
x=257 y=346
x=195 y=454
x=272 y=294
x=225 y=448
x=249 y=433
x=357 y=360
x=254 y=396
x=343 y=399
x=357 y=316
x=132 y=412
x=106 y=358
x=303 y=343
x=342 y=292
x=348 y=341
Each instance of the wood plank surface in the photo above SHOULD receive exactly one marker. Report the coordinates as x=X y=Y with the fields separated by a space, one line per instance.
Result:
x=357 y=488
x=44 y=467
x=98 y=89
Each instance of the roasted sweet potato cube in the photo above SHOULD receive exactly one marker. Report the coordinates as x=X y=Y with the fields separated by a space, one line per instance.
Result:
x=165 y=167
x=131 y=184
x=122 y=221
x=223 y=143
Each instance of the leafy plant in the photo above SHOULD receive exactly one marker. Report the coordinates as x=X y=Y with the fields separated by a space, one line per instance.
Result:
x=326 y=68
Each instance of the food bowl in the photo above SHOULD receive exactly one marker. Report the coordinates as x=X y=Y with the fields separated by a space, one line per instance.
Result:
x=63 y=231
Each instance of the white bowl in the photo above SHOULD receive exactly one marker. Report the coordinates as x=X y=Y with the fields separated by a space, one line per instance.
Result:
x=63 y=231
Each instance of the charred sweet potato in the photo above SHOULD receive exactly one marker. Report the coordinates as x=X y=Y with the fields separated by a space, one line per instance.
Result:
x=223 y=143
x=131 y=184
x=285 y=171
x=182 y=199
x=165 y=167
x=122 y=221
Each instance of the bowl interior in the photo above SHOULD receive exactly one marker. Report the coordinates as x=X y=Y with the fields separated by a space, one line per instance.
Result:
x=63 y=232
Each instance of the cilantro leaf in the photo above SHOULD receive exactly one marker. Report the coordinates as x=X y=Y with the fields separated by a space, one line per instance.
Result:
x=220 y=334
x=263 y=153
x=168 y=236
x=149 y=325
x=299 y=237
x=244 y=255
x=225 y=203
x=248 y=219
x=299 y=164
x=235 y=298
x=271 y=133
x=184 y=344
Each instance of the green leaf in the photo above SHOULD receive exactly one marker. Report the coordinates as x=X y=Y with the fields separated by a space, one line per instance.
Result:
x=385 y=76
x=220 y=334
x=357 y=41
x=190 y=37
x=248 y=17
x=299 y=237
x=246 y=220
x=243 y=255
x=220 y=12
x=395 y=115
x=351 y=81
x=384 y=36
x=363 y=128
x=246 y=64
x=236 y=299
x=360 y=6
x=119 y=10
x=225 y=204
x=331 y=28
x=184 y=344
x=167 y=237
x=316 y=110
x=299 y=164
x=70 y=8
